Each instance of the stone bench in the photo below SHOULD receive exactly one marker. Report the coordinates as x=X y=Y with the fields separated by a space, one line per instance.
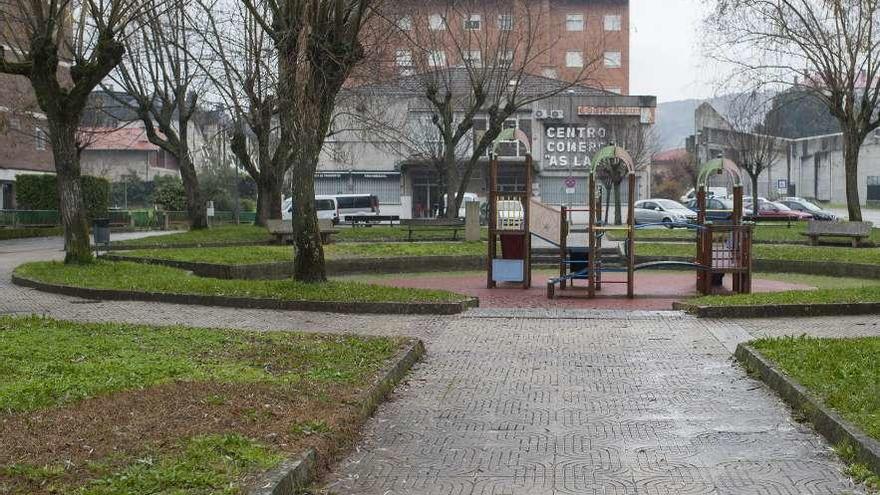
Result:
x=432 y=225
x=856 y=231
x=282 y=230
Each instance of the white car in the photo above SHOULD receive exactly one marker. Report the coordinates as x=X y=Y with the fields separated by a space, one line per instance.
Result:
x=665 y=211
x=325 y=206
x=712 y=192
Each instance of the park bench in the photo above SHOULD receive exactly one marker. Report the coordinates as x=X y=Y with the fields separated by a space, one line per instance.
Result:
x=432 y=225
x=856 y=231
x=282 y=230
x=367 y=220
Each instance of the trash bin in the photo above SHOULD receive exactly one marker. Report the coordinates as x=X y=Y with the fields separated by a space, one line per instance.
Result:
x=101 y=231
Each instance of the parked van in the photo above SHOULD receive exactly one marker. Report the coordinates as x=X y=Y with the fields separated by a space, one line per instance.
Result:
x=325 y=206
x=711 y=192
x=356 y=204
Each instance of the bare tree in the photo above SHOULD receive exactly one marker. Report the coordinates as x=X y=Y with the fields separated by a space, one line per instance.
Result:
x=830 y=48
x=641 y=142
x=164 y=81
x=749 y=142
x=40 y=39
x=246 y=80
x=473 y=64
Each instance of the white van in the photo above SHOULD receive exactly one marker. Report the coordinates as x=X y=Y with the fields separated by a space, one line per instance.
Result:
x=712 y=192
x=356 y=204
x=325 y=206
x=468 y=197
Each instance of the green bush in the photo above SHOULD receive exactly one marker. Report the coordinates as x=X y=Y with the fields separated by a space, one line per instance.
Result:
x=248 y=205
x=40 y=192
x=169 y=193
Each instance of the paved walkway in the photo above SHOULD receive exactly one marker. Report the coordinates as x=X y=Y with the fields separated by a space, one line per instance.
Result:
x=544 y=401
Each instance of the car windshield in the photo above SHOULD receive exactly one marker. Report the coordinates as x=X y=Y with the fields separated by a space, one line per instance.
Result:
x=809 y=206
x=728 y=204
x=781 y=206
x=668 y=204
x=324 y=204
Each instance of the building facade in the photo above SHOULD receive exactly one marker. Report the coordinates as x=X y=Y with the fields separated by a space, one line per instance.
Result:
x=564 y=131
x=585 y=41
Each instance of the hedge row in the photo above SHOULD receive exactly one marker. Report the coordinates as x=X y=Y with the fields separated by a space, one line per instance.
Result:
x=40 y=192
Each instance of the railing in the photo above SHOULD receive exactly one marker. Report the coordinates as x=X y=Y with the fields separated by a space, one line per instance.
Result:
x=29 y=218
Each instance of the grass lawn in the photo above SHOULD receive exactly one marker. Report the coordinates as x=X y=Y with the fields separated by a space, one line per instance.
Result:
x=244 y=255
x=767 y=233
x=95 y=409
x=154 y=278
x=868 y=256
x=225 y=233
x=843 y=373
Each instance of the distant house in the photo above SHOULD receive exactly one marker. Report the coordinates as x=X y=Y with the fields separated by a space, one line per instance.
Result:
x=116 y=152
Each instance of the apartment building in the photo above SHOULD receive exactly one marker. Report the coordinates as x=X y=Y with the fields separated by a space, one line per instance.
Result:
x=586 y=41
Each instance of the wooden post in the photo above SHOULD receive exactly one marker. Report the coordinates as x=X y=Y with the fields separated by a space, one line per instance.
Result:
x=527 y=241
x=630 y=238
x=563 y=246
x=702 y=275
x=493 y=179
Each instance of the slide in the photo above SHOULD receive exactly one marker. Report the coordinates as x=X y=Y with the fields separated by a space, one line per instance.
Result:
x=544 y=222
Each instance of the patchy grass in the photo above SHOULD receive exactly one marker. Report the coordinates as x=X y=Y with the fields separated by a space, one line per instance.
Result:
x=865 y=294
x=245 y=255
x=843 y=373
x=379 y=233
x=818 y=281
x=225 y=233
x=763 y=233
x=99 y=409
x=868 y=256
x=162 y=279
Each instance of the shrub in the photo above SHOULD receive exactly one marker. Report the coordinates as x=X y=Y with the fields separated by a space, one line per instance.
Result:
x=169 y=193
x=248 y=205
x=40 y=192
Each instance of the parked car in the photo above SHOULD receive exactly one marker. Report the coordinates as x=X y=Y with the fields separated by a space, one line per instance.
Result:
x=801 y=204
x=718 y=209
x=468 y=197
x=712 y=192
x=325 y=206
x=769 y=210
x=662 y=211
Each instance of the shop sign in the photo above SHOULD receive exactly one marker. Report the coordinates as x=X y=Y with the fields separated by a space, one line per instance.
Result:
x=571 y=146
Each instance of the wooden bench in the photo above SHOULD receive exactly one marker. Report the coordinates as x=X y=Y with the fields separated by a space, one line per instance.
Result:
x=282 y=230
x=432 y=225
x=367 y=220
x=856 y=231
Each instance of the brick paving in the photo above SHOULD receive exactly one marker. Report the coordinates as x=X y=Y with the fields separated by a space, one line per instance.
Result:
x=548 y=400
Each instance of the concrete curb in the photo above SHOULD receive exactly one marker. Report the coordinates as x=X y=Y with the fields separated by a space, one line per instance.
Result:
x=402 y=308
x=830 y=269
x=778 y=310
x=293 y=475
x=338 y=266
x=827 y=422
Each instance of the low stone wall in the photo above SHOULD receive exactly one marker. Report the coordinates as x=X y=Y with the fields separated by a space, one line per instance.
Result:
x=830 y=269
x=339 y=266
x=426 y=308
x=778 y=310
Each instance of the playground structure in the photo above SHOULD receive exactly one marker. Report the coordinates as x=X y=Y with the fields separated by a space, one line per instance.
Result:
x=514 y=217
x=509 y=216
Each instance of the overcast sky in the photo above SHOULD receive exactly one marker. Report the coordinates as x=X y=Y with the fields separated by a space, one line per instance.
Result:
x=665 y=52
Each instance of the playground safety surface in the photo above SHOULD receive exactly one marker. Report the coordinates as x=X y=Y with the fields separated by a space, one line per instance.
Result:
x=654 y=290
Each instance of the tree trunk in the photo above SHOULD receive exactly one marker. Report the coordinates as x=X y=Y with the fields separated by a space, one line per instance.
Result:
x=852 y=143
x=71 y=205
x=453 y=200
x=268 y=198
x=309 y=252
x=195 y=203
x=260 y=216
x=755 y=205
x=617 y=216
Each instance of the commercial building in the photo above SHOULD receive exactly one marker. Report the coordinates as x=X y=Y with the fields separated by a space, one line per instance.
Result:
x=564 y=131
x=810 y=167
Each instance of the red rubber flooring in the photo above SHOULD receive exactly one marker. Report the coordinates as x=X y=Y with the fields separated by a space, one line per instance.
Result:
x=654 y=290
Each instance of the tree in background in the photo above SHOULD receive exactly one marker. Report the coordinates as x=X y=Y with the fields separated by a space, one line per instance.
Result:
x=675 y=177
x=750 y=143
x=797 y=113
x=246 y=80
x=317 y=44
x=163 y=84
x=828 y=48
x=65 y=49
x=473 y=81
x=641 y=142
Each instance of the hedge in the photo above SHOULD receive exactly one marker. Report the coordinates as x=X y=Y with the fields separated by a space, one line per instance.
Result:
x=30 y=232
x=40 y=192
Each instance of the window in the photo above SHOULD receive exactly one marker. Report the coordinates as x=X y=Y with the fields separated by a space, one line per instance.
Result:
x=505 y=57
x=612 y=60
x=403 y=58
x=549 y=72
x=436 y=22
x=574 y=59
x=473 y=22
x=505 y=22
x=405 y=23
x=612 y=23
x=40 y=139
x=574 y=22
x=437 y=59
x=473 y=58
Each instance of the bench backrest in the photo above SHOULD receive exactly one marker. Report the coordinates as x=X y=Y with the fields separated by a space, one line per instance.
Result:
x=432 y=222
x=286 y=226
x=839 y=228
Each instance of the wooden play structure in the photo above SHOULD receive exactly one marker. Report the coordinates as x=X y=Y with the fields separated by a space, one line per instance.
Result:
x=509 y=218
x=586 y=263
x=723 y=247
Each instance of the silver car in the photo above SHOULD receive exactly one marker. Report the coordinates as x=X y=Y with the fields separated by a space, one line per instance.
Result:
x=663 y=211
